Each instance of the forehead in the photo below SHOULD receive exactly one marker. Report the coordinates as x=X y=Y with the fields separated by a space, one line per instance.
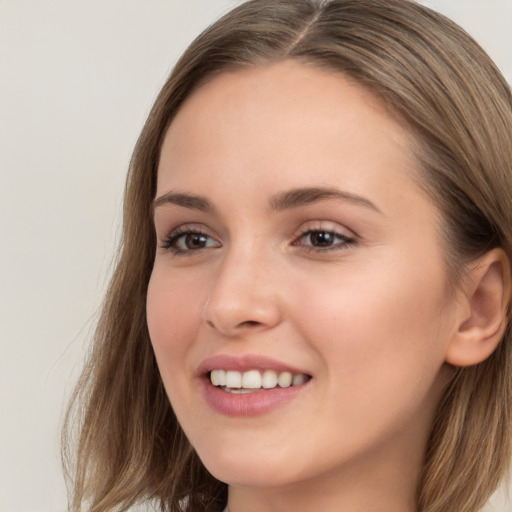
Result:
x=303 y=92
x=288 y=117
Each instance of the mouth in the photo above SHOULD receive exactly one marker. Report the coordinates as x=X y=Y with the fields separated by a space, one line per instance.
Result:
x=251 y=384
x=253 y=381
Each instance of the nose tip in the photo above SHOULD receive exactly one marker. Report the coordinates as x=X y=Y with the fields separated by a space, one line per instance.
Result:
x=239 y=304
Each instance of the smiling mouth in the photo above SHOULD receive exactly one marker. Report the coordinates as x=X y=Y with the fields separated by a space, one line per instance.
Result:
x=232 y=381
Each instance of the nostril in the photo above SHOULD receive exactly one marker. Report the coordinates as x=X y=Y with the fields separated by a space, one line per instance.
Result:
x=241 y=325
x=249 y=323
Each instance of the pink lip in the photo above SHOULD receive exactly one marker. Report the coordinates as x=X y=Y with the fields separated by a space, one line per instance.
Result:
x=246 y=404
x=243 y=363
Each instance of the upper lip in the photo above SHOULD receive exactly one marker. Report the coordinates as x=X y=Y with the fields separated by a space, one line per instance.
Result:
x=243 y=363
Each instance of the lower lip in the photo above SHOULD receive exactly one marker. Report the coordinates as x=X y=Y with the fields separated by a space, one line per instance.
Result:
x=248 y=404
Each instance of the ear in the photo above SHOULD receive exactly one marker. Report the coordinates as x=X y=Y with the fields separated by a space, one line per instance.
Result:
x=483 y=318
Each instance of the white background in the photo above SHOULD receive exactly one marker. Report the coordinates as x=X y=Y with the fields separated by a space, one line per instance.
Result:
x=77 y=79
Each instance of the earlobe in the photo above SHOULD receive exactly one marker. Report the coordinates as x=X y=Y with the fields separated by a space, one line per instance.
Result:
x=484 y=318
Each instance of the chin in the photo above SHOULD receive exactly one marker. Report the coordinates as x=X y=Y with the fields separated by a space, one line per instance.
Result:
x=247 y=470
x=250 y=476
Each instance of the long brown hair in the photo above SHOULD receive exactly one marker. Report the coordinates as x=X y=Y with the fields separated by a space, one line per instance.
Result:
x=432 y=75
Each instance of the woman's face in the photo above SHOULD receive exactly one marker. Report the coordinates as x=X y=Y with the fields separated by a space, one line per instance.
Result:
x=293 y=239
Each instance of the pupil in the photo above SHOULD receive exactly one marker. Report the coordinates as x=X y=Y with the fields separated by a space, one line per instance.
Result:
x=195 y=241
x=321 y=238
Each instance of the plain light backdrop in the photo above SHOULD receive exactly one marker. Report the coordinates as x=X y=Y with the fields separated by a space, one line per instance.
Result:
x=77 y=79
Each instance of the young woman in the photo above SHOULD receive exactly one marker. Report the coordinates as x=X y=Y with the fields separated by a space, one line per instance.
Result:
x=310 y=308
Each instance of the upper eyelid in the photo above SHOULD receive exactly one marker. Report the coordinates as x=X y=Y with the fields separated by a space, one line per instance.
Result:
x=327 y=225
x=187 y=227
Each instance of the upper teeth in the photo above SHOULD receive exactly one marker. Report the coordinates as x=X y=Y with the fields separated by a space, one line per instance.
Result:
x=254 y=379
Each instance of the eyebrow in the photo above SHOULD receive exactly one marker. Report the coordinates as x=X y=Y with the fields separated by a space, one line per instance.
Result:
x=303 y=196
x=190 y=201
x=283 y=201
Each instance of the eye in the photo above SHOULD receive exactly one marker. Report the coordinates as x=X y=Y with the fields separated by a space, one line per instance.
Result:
x=184 y=240
x=323 y=240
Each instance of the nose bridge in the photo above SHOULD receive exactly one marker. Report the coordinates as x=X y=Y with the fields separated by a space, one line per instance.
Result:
x=242 y=293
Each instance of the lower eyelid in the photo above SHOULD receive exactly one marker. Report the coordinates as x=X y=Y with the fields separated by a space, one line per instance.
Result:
x=344 y=237
x=168 y=244
x=341 y=240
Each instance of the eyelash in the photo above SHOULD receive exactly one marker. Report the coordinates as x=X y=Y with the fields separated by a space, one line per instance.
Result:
x=345 y=241
x=170 y=243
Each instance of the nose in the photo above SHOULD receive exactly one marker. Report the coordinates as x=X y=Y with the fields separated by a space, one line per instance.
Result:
x=244 y=297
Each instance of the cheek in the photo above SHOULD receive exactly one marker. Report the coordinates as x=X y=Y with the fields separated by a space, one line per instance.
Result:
x=173 y=313
x=379 y=330
x=382 y=354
